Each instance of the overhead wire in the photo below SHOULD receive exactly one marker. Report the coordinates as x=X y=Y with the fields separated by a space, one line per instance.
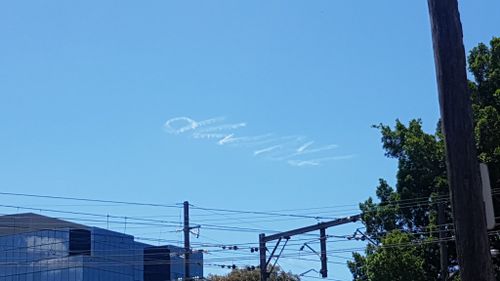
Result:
x=92 y=200
x=305 y=213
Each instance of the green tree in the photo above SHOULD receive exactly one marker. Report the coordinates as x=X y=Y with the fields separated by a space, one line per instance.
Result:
x=409 y=208
x=254 y=275
x=396 y=263
x=484 y=64
x=409 y=211
x=358 y=266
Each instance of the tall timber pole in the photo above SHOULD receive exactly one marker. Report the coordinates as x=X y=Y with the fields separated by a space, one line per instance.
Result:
x=463 y=169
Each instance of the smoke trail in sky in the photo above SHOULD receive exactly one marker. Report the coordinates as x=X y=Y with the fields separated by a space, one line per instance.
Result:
x=295 y=150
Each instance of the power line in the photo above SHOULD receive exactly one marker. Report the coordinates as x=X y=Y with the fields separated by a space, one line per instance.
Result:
x=92 y=200
x=261 y=213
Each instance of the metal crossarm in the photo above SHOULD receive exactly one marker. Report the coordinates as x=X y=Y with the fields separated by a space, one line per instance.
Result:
x=263 y=239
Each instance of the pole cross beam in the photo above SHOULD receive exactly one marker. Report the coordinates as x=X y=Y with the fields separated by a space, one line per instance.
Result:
x=263 y=239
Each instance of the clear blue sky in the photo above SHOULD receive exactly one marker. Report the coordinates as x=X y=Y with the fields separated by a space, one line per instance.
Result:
x=86 y=88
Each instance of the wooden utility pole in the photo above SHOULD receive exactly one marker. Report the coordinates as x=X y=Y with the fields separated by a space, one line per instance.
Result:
x=443 y=247
x=187 y=243
x=463 y=169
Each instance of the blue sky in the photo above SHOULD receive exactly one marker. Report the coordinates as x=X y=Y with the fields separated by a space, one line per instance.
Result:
x=86 y=88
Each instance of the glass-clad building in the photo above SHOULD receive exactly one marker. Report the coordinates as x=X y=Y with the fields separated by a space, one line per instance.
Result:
x=40 y=248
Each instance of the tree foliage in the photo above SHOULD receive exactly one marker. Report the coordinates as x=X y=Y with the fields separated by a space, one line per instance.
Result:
x=405 y=261
x=254 y=275
x=484 y=64
x=407 y=214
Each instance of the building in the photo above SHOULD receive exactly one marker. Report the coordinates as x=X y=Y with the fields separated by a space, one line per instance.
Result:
x=172 y=264
x=39 y=248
